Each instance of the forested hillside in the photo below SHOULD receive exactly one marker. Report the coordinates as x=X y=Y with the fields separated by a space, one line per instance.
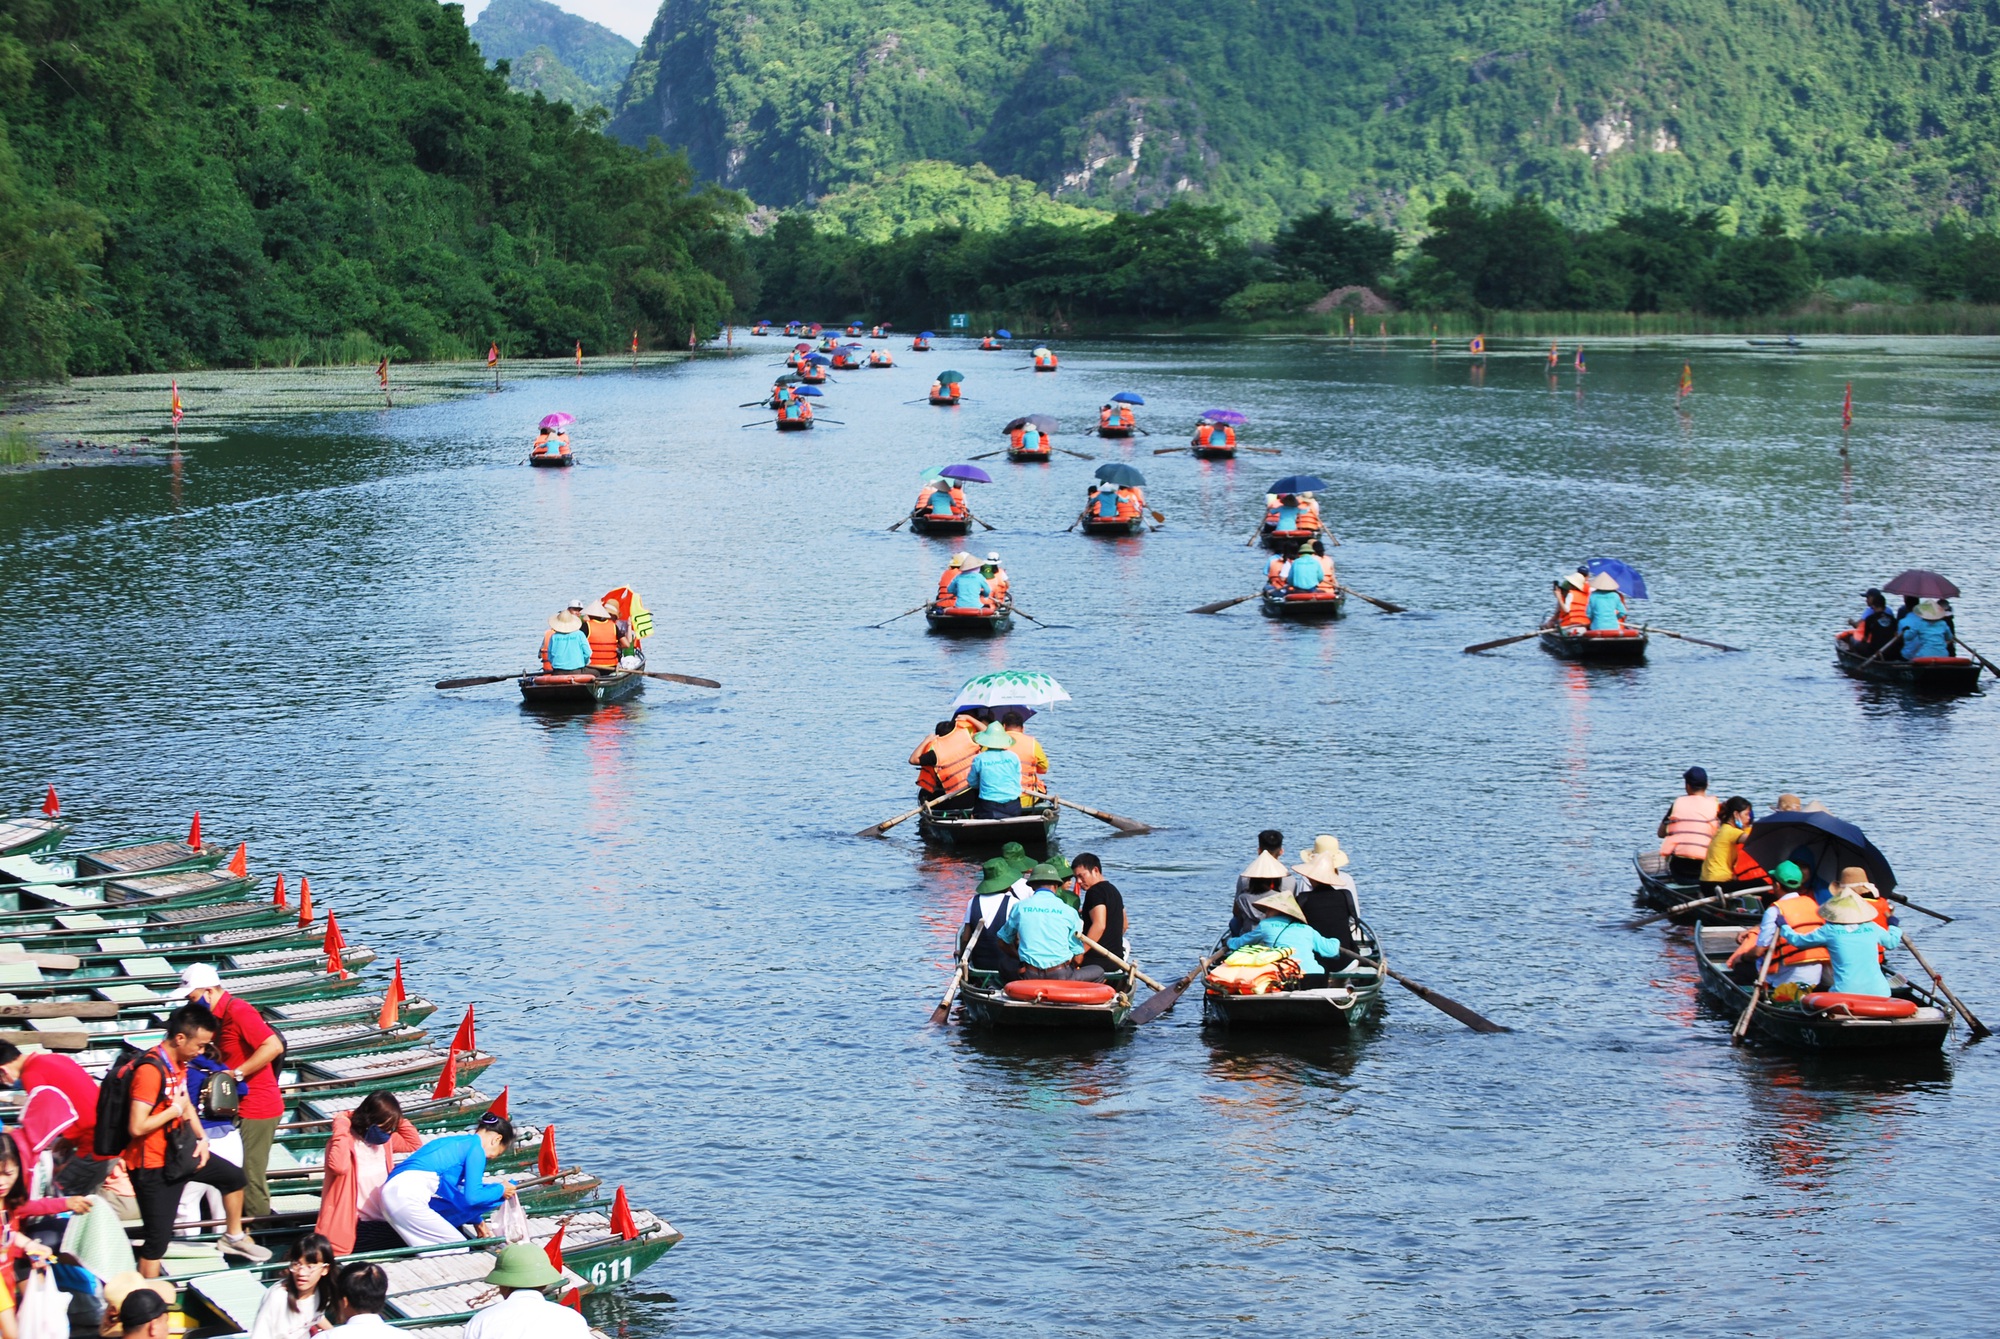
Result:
x=1833 y=113
x=556 y=54
x=188 y=182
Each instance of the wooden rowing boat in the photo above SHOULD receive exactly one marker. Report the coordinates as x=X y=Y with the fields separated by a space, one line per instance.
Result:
x=65 y=932
x=580 y=689
x=794 y=424
x=1943 y=676
x=987 y=1002
x=1798 y=1027
x=1286 y=542
x=1308 y=606
x=1114 y=430
x=1114 y=528
x=27 y=835
x=552 y=460
x=1596 y=648
x=951 y=622
x=944 y=400
x=958 y=830
x=1659 y=890
x=930 y=523
x=1043 y=453
x=1346 y=1001
x=1214 y=452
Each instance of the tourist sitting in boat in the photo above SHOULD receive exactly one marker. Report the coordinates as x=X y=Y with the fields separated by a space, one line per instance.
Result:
x=1045 y=359
x=1117 y=416
x=1328 y=896
x=1875 y=629
x=609 y=636
x=953 y=570
x=1790 y=966
x=1718 y=867
x=795 y=409
x=1001 y=886
x=996 y=577
x=1283 y=925
x=970 y=590
x=989 y=344
x=944 y=758
x=920 y=345
x=1043 y=930
x=1264 y=874
x=1213 y=436
x=1572 y=615
x=1307 y=572
x=564 y=647
x=1925 y=636
x=441 y=1188
x=944 y=499
x=995 y=775
x=1285 y=516
x=944 y=390
x=1131 y=502
x=542 y=440
x=879 y=358
x=1027 y=437
x=1103 y=909
x=1034 y=762
x=302 y=1294
x=1607 y=604
x=1308 y=511
x=1689 y=827
x=1854 y=938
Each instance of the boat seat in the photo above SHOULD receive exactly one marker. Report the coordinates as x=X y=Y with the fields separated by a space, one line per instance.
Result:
x=55 y=1024
x=64 y=897
x=88 y=920
x=122 y=944
x=19 y=973
x=129 y=993
x=146 y=967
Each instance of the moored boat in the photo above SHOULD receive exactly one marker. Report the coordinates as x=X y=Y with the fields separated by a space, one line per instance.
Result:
x=580 y=688
x=1083 y=1006
x=930 y=523
x=1660 y=891
x=958 y=830
x=954 y=622
x=27 y=835
x=1304 y=606
x=1909 y=1022
x=1623 y=647
x=1336 y=1000
x=1940 y=675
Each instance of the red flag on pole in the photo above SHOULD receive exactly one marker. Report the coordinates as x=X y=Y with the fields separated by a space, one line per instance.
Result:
x=305 y=901
x=177 y=401
x=493 y=355
x=392 y=1001
x=239 y=864
x=554 y=1249
x=278 y=891
x=1847 y=409
x=499 y=1107
x=573 y=1299
x=335 y=946
x=447 y=1084
x=51 y=805
x=463 y=1040
x=545 y=1162
x=621 y=1216
x=194 y=832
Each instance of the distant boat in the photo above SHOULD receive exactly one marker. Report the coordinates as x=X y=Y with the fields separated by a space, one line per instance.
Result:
x=1788 y=342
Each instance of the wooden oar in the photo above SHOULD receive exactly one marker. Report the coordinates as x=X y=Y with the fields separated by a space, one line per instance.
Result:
x=1913 y=906
x=882 y=827
x=1080 y=455
x=757 y=422
x=968 y=512
x=1383 y=605
x=1477 y=1022
x=943 y=1011
x=1221 y=605
x=1168 y=450
x=1127 y=825
x=1504 y=641
x=1690 y=906
x=1079 y=520
x=475 y=682
x=905 y=614
x=1682 y=636
x=1742 y=1027
x=1032 y=619
x=1123 y=965
x=1979 y=1029
x=1990 y=667
x=988 y=455
x=900 y=524
x=1262 y=450
x=688 y=679
x=1160 y=1001
x=1156 y=516
x=79 y=1009
x=1889 y=645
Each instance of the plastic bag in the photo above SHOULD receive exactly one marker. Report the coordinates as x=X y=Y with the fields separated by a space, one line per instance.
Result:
x=44 y=1309
x=510 y=1221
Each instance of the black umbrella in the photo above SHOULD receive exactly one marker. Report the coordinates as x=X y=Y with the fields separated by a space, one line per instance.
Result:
x=1045 y=422
x=1121 y=474
x=1819 y=844
x=1924 y=585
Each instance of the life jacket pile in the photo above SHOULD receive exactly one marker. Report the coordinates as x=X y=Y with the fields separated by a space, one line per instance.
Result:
x=1255 y=969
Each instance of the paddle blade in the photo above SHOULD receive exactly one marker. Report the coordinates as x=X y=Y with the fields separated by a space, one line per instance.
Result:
x=1448 y=1005
x=688 y=679
x=1160 y=1001
x=1221 y=605
x=879 y=828
x=474 y=682
x=1504 y=641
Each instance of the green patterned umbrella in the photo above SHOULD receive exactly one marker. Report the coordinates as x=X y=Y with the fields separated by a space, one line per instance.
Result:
x=1010 y=688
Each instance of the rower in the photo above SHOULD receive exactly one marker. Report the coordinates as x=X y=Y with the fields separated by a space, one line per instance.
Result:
x=924 y=758
x=1327 y=894
x=564 y=647
x=1572 y=613
x=1264 y=874
x=1034 y=762
x=1689 y=827
x=1875 y=629
x=1607 y=604
x=1852 y=939
x=1131 y=502
x=996 y=774
x=996 y=577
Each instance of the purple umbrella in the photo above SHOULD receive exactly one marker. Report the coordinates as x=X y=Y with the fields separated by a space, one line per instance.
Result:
x=1229 y=416
x=1924 y=585
x=970 y=473
x=564 y=420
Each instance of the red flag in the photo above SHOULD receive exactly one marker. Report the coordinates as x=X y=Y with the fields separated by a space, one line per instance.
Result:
x=1847 y=409
x=194 y=832
x=239 y=864
x=545 y=1162
x=493 y=355
x=278 y=891
x=463 y=1040
x=447 y=1084
x=177 y=401
x=392 y=1001
x=52 y=806
x=621 y=1216
x=335 y=945
x=573 y=1299
x=554 y=1249
x=305 y=901
x=382 y=371
x=499 y=1107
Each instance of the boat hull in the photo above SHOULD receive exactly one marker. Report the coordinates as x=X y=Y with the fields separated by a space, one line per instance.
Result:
x=794 y=425
x=928 y=523
x=1025 y=456
x=552 y=462
x=953 y=623
x=944 y=400
x=958 y=830
x=1797 y=1028
x=1596 y=648
x=1215 y=453
x=1114 y=529
x=1340 y=1008
x=1287 y=541
x=1660 y=891
x=25 y=836
x=1308 y=607
x=1943 y=677
x=581 y=690
x=986 y=1004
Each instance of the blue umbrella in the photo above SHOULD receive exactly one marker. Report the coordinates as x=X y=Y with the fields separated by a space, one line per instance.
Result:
x=1126 y=397
x=1299 y=483
x=1117 y=472
x=1004 y=334
x=927 y=334
x=970 y=473
x=818 y=359
x=810 y=392
x=1819 y=844
x=1630 y=583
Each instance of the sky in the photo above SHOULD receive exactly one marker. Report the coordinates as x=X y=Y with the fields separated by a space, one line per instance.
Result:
x=627 y=18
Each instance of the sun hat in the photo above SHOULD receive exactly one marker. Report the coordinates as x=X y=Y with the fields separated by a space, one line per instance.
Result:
x=565 y=622
x=993 y=737
x=1265 y=866
x=1846 y=908
x=993 y=558
x=959 y=560
x=122 y=1286
x=1001 y=875
x=596 y=609
x=1604 y=581
x=574 y=604
x=1280 y=904
x=523 y=1265
x=1017 y=856
x=201 y=976
x=1326 y=841
x=1695 y=776
x=1788 y=803
x=1788 y=875
x=1575 y=580
x=1044 y=873
x=1856 y=878
x=1322 y=866
x=1872 y=593
x=1062 y=867
x=1929 y=612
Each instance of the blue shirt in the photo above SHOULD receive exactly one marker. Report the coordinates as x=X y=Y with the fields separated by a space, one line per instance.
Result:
x=1307 y=944
x=569 y=650
x=1288 y=518
x=941 y=503
x=969 y=591
x=1043 y=928
x=1107 y=503
x=1306 y=572
x=1604 y=608
x=997 y=773
x=464 y=1196
x=1925 y=638
x=1857 y=967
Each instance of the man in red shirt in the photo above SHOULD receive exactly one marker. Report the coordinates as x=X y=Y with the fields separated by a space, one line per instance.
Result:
x=79 y=1171
x=250 y=1048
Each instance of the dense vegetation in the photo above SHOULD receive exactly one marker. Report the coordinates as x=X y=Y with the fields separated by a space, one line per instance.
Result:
x=554 y=53
x=199 y=182
x=1853 y=114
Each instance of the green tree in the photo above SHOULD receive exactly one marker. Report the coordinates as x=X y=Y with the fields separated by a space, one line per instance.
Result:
x=1332 y=250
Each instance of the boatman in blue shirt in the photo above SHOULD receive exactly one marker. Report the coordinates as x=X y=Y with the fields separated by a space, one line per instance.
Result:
x=1045 y=931
x=970 y=590
x=995 y=774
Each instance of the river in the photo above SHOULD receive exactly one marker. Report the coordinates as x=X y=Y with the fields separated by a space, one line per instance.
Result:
x=719 y=996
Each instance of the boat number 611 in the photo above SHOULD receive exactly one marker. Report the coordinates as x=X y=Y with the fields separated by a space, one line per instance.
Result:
x=611 y=1271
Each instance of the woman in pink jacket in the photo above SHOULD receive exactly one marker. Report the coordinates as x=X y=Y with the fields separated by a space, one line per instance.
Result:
x=359 y=1158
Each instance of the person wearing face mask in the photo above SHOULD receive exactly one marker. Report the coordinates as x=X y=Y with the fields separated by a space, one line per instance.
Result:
x=359 y=1158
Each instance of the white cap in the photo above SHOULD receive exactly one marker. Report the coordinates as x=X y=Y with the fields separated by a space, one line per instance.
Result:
x=992 y=557
x=198 y=977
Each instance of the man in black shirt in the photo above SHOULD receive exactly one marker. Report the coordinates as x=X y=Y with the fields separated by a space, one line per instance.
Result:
x=1877 y=627
x=1103 y=905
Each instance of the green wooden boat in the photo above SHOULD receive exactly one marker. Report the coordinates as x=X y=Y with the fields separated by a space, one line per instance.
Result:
x=27 y=835
x=64 y=932
x=343 y=1009
x=986 y=1001
x=32 y=902
x=1345 y=1002
x=160 y=972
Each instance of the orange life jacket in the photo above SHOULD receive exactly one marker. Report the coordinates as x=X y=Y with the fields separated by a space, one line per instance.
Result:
x=1801 y=913
x=603 y=635
x=1691 y=826
x=927 y=777
x=547 y=666
x=1024 y=747
x=1000 y=586
x=951 y=574
x=1125 y=416
x=1129 y=503
x=1743 y=867
x=1277 y=573
x=1203 y=434
x=1048 y=361
x=1228 y=435
x=1573 y=609
x=955 y=753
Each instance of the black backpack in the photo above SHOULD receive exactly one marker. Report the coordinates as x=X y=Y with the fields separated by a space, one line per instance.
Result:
x=114 y=1101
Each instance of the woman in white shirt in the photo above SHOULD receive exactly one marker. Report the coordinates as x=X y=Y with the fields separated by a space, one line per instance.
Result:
x=294 y=1306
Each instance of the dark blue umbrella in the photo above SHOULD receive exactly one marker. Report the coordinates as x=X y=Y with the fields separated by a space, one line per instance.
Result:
x=970 y=473
x=818 y=359
x=1819 y=844
x=1299 y=483
x=1117 y=472
x=810 y=392
x=1630 y=583
x=927 y=334
x=1127 y=397
x=1004 y=334
x=1045 y=422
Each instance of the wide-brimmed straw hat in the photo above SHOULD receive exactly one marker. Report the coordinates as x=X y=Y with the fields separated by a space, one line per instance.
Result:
x=596 y=609
x=1574 y=580
x=523 y=1265
x=1846 y=908
x=1604 y=581
x=565 y=622
x=993 y=737
x=1265 y=866
x=1930 y=612
x=1280 y=904
x=1855 y=879
x=1322 y=866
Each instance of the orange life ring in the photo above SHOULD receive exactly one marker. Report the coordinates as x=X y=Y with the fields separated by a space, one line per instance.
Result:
x=1861 y=1006
x=1061 y=992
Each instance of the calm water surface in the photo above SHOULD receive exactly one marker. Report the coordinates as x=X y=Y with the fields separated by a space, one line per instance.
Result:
x=719 y=996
